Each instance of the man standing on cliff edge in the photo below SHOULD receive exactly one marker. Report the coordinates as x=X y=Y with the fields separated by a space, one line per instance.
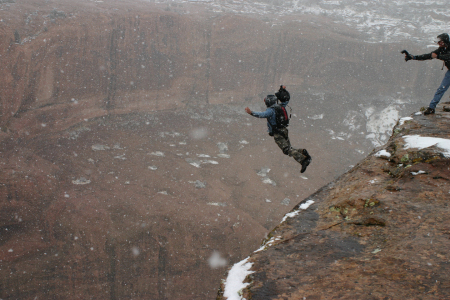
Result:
x=442 y=53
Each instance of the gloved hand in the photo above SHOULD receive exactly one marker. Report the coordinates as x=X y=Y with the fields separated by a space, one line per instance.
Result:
x=407 y=55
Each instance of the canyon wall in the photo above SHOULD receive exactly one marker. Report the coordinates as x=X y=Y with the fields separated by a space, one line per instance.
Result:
x=62 y=62
x=128 y=163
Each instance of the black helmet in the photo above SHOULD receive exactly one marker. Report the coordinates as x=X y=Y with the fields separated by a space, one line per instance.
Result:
x=444 y=37
x=270 y=100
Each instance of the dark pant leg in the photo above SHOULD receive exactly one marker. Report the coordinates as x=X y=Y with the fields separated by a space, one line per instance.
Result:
x=297 y=155
x=281 y=137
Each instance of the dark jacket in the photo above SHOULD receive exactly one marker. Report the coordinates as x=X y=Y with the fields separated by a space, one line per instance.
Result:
x=443 y=53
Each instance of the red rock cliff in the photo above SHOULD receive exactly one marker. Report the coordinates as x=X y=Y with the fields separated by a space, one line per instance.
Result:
x=63 y=62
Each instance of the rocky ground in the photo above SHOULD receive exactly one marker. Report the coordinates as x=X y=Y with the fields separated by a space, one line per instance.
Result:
x=380 y=231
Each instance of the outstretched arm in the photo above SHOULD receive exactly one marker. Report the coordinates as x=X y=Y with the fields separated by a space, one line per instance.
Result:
x=427 y=56
x=431 y=55
x=264 y=114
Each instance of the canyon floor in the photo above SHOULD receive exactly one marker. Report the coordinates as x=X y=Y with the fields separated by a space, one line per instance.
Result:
x=138 y=205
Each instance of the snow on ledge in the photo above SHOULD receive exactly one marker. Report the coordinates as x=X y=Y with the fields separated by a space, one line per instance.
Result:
x=421 y=142
x=418 y=173
x=403 y=120
x=234 y=283
x=296 y=212
x=382 y=153
x=269 y=243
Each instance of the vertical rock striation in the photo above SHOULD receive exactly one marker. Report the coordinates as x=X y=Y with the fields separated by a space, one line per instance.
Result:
x=80 y=61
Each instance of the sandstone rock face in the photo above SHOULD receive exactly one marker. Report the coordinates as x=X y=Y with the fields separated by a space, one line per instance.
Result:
x=380 y=231
x=62 y=63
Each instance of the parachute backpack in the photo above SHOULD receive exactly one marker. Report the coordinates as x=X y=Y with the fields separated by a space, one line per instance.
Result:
x=281 y=112
x=282 y=94
x=281 y=115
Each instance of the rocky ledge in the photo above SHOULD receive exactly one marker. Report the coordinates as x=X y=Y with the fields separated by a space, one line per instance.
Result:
x=380 y=231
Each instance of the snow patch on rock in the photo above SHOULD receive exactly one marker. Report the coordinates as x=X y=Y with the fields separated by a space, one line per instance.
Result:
x=157 y=153
x=422 y=142
x=234 y=283
x=81 y=181
x=294 y=213
x=418 y=173
x=99 y=147
x=382 y=153
x=403 y=120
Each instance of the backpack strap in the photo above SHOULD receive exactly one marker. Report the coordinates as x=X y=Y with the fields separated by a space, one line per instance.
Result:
x=285 y=113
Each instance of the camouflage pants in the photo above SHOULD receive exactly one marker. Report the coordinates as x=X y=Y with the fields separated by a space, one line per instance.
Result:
x=282 y=139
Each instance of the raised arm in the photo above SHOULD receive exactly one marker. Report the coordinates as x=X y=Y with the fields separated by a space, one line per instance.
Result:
x=258 y=114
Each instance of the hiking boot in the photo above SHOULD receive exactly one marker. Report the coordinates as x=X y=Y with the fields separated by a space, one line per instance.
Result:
x=429 y=111
x=305 y=153
x=306 y=161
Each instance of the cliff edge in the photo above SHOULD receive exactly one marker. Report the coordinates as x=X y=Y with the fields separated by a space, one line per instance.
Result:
x=380 y=231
